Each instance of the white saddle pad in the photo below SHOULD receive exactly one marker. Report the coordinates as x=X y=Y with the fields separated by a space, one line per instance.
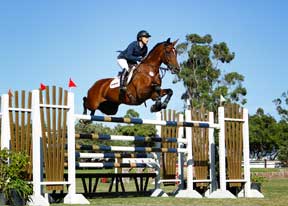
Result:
x=115 y=83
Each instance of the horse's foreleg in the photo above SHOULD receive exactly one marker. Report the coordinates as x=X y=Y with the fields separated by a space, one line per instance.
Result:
x=169 y=93
x=157 y=95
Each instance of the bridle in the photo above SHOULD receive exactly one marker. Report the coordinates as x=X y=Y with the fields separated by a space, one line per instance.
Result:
x=166 y=62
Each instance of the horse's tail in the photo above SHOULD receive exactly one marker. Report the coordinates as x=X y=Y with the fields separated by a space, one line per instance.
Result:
x=84 y=105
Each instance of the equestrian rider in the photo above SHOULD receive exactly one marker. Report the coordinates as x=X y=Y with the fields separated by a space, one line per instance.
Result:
x=134 y=53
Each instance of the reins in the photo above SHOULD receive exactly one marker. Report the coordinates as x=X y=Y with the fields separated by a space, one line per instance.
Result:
x=163 y=72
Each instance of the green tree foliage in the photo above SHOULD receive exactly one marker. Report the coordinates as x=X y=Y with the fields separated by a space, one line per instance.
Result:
x=281 y=107
x=135 y=130
x=202 y=77
x=263 y=130
x=140 y=130
x=92 y=128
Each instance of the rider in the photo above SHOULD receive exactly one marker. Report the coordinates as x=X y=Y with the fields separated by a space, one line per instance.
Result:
x=134 y=53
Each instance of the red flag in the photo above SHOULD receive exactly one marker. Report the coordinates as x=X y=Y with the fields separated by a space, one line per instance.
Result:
x=10 y=93
x=71 y=83
x=42 y=86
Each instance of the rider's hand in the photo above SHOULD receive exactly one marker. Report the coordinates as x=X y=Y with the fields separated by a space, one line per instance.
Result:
x=139 y=59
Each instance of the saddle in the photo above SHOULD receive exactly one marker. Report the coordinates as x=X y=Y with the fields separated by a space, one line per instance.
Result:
x=116 y=81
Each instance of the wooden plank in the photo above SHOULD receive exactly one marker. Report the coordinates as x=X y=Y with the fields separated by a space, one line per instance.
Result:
x=29 y=136
x=63 y=134
x=169 y=160
x=53 y=144
x=234 y=143
x=22 y=125
x=11 y=119
x=227 y=141
x=44 y=136
x=49 y=139
x=58 y=140
x=16 y=122
x=200 y=147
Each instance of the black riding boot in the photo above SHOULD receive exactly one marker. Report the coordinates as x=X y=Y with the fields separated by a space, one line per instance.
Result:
x=122 y=80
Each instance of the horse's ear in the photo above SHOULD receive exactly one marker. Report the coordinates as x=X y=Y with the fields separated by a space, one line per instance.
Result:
x=168 y=40
x=175 y=42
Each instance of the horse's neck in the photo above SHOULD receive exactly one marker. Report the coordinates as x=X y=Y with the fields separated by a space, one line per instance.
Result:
x=152 y=63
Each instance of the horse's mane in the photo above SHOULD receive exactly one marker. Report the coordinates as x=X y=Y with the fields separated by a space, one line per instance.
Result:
x=154 y=48
x=164 y=42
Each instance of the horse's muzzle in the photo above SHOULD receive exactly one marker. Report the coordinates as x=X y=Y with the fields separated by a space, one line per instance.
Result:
x=175 y=69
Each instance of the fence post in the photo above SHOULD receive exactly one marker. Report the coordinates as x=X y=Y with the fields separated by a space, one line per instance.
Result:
x=212 y=154
x=190 y=152
x=222 y=192
x=5 y=126
x=181 y=155
x=246 y=153
x=189 y=192
x=158 y=192
x=72 y=197
x=222 y=152
x=37 y=197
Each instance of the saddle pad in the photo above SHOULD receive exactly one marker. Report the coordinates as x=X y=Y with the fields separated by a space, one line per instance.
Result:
x=115 y=83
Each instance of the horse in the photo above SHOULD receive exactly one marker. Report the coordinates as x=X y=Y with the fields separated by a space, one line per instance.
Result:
x=145 y=84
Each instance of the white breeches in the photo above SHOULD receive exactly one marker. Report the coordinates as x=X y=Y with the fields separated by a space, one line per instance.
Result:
x=123 y=64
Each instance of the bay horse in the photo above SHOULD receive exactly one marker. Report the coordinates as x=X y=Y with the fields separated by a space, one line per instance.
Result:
x=145 y=84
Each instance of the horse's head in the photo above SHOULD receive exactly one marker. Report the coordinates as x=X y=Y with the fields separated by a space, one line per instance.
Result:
x=170 y=56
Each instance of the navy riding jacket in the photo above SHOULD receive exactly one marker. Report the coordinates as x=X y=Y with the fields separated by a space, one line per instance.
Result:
x=133 y=53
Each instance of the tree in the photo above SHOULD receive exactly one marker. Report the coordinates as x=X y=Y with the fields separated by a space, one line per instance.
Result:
x=281 y=107
x=202 y=78
x=263 y=130
x=136 y=130
x=132 y=130
x=283 y=142
x=98 y=128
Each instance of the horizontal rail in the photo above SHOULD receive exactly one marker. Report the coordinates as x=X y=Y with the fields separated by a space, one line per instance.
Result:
x=236 y=180
x=55 y=106
x=206 y=180
x=129 y=138
x=148 y=122
x=234 y=120
x=19 y=109
x=129 y=149
x=113 y=165
x=55 y=183
x=114 y=155
x=169 y=180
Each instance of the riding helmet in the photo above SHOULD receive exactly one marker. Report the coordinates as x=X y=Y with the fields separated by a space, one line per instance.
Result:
x=143 y=33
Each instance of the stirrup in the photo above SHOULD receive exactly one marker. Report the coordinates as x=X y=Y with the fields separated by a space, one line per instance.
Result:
x=123 y=88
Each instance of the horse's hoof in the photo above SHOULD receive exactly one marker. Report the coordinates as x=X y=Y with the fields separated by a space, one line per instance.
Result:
x=154 y=108
x=163 y=106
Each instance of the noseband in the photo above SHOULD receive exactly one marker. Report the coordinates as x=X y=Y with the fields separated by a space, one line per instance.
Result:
x=166 y=54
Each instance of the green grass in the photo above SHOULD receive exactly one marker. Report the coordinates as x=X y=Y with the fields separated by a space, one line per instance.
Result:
x=275 y=192
x=265 y=169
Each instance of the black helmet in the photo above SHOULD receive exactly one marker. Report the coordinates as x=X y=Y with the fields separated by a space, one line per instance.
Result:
x=143 y=33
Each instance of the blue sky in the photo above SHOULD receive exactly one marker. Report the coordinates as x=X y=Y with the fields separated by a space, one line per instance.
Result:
x=51 y=41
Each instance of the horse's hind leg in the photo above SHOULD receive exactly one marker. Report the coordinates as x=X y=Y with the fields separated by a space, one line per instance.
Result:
x=92 y=112
x=85 y=111
x=84 y=105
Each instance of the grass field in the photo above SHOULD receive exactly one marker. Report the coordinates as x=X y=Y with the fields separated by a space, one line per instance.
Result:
x=275 y=192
